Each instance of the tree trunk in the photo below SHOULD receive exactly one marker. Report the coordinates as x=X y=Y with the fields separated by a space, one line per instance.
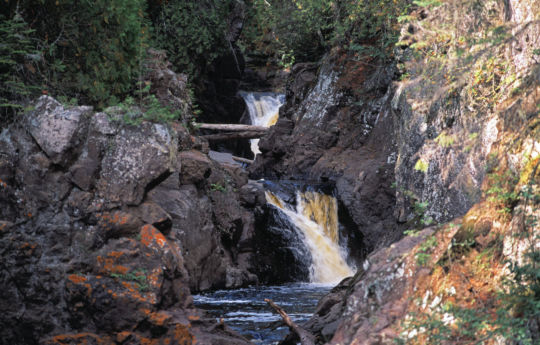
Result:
x=306 y=338
x=230 y=127
x=233 y=135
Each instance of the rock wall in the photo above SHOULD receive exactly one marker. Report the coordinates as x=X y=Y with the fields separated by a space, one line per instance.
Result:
x=461 y=141
x=106 y=227
x=337 y=127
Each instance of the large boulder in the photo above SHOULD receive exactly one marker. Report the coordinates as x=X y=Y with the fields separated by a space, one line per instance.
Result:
x=137 y=157
x=59 y=131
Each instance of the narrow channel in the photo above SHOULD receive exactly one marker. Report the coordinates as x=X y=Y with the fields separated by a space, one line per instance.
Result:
x=314 y=218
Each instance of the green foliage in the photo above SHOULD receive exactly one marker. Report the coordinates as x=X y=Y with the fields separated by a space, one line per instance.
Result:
x=423 y=254
x=370 y=27
x=421 y=165
x=18 y=56
x=302 y=30
x=138 y=276
x=192 y=32
x=502 y=190
x=420 y=211
x=91 y=50
x=445 y=140
x=217 y=187
x=148 y=108
x=427 y=3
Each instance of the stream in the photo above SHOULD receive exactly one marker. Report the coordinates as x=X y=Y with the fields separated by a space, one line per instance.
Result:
x=313 y=216
x=245 y=311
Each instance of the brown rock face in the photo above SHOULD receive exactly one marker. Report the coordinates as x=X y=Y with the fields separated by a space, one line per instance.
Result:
x=322 y=135
x=100 y=241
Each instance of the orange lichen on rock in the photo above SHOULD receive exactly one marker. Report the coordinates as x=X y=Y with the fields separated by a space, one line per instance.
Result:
x=77 y=279
x=122 y=336
x=28 y=248
x=159 y=318
x=148 y=341
x=182 y=336
x=154 y=277
x=151 y=235
x=115 y=254
x=79 y=339
x=108 y=265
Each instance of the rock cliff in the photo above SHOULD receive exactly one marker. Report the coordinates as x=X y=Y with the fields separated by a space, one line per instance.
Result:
x=106 y=227
x=446 y=134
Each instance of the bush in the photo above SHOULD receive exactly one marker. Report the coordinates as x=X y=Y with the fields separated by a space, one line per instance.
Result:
x=302 y=30
x=17 y=59
x=293 y=30
x=91 y=49
x=192 y=32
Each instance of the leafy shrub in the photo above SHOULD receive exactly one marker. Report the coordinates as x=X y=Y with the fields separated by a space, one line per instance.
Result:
x=18 y=56
x=147 y=108
x=92 y=49
x=192 y=32
x=421 y=165
x=302 y=30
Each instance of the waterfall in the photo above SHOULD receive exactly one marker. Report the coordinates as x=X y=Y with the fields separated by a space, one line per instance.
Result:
x=316 y=217
x=263 y=108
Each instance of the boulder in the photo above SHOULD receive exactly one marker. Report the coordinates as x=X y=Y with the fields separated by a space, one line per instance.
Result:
x=195 y=167
x=137 y=158
x=56 y=129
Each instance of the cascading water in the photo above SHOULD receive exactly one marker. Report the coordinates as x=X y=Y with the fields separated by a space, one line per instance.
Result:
x=311 y=229
x=316 y=217
x=263 y=108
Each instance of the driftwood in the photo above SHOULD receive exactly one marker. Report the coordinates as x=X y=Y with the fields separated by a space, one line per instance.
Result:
x=243 y=160
x=233 y=135
x=306 y=338
x=231 y=127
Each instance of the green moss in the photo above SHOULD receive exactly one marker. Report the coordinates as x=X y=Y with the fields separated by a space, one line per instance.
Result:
x=445 y=140
x=421 y=165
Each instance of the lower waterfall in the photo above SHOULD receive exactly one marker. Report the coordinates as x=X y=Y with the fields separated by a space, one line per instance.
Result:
x=316 y=216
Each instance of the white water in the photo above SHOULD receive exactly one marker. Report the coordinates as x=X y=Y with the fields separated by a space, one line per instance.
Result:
x=316 y=217
x=263 y=108
x=253 y=318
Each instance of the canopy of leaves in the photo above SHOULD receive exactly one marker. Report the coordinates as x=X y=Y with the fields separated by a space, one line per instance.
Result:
x=90 y=50
x=302 y=30
x=192 y=32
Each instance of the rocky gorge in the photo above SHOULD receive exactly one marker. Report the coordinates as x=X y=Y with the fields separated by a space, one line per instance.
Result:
x=108 y=226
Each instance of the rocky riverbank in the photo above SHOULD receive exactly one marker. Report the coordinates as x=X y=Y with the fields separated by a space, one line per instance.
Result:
x=107 y=227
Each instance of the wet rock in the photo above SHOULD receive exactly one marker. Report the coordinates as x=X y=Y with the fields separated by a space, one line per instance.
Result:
x=252 y=194
x=322 y=135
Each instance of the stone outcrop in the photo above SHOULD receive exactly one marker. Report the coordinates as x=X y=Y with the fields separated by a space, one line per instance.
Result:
x=454 y=141
x=323 y=135
x=106 y=227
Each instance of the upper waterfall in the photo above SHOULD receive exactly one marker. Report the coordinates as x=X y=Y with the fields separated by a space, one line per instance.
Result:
x=263 y=108
x=316 y=217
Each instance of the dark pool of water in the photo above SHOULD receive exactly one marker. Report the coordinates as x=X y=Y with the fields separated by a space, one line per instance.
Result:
x=245 y=310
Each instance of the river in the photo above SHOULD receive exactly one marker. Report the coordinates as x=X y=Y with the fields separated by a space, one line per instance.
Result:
x=245 y=311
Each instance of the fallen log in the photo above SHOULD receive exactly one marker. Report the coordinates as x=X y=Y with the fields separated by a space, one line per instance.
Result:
x=233 y=135
x=306 y=338
x=243 y=160
x=230 y=127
